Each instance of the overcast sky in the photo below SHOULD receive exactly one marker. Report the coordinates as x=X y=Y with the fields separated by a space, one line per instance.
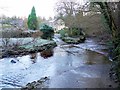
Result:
x=21 y=8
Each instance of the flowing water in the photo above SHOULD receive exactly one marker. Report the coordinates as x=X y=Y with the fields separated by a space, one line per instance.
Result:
x=68 y=66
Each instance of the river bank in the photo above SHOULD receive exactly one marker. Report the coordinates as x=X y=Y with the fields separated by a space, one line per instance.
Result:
x=26 y=46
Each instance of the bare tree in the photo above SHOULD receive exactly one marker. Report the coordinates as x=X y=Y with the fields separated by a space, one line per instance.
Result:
x=71 y=12
x=67 y=7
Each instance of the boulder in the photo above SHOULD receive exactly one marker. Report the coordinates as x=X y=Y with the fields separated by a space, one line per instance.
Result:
x=13 y=61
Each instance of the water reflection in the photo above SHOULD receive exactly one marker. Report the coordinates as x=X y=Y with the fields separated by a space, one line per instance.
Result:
x=33 y=57
x=69 y=59
x=47 y=53
x=95 y=58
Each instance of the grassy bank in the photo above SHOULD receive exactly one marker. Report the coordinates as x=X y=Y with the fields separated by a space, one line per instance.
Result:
x=23 y=46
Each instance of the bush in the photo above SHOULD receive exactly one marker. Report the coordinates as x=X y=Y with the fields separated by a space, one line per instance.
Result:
x=63 y=32
x=75 y=32
x=11 y=33
x=48 y=32
x=19 y=34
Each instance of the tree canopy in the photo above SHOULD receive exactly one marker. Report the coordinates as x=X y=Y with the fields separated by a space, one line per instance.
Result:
x=70 y=11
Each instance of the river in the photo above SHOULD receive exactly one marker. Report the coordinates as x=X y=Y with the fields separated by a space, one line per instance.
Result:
x=84 y=65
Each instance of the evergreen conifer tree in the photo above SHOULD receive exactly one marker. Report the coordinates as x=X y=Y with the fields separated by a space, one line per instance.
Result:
x=32 y=20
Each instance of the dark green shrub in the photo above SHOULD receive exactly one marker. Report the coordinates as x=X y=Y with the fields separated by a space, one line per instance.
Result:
x=62 y=32
x=71 y=32
x=75 y=32
x=48 y=32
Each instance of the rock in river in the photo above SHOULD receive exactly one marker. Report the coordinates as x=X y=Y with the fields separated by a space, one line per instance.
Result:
x=14 y=61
